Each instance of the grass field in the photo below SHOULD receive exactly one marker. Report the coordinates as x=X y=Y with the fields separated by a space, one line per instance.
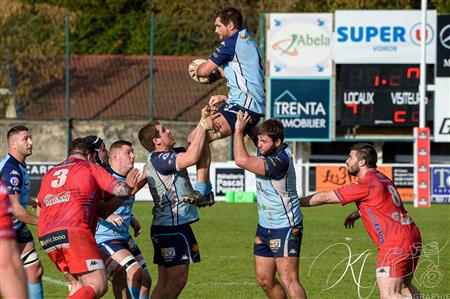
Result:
x=225 y=234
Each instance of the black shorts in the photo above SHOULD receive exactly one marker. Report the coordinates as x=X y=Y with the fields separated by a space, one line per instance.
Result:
x=281 y=242
x=229 y=111
x=23 y=234
x=174 y=245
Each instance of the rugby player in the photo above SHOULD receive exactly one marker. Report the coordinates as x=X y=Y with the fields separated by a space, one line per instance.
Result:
x=12 y=275
x=280 y=227
x=68 y=207
x=174 y=243
x=386 y=220
x=13 y=172
x=242 y=64
x=112 y=234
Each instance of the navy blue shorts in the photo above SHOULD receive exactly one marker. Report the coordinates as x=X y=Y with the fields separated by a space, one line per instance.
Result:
x=174 y=245
x=282 y=242
x=23 y=234
x=112 y=246
x=229 y=111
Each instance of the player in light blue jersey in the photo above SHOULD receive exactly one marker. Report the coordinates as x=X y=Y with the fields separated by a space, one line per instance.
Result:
x=280 y=229
x=13 y=172
x=174 y=243
x=242 y=64
x=112 y=234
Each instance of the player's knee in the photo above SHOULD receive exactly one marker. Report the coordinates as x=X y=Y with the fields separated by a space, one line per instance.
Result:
x=135 y=274
x=265 y=281
x=146 y=279
x=289 y=280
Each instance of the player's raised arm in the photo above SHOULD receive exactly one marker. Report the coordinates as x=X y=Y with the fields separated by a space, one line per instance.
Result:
x=192 y=155
x=241 y=155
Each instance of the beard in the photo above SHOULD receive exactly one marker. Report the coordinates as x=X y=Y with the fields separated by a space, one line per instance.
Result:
x=353 y=170
x=269 y=151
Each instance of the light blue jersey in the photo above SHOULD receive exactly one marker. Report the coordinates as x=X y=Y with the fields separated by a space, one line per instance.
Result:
x=278 y=203
x=243 y=67
x=167 y=184
x=106 y=231
x=15 y=176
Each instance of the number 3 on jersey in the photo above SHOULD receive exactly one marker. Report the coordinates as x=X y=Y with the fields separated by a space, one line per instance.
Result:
x=61 y=177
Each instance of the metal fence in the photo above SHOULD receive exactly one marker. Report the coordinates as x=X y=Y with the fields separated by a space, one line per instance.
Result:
x=43 y=76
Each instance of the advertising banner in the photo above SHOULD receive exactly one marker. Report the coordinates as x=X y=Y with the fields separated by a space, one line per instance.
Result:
x=422 y=167
x=299 y=44
x=440 y=188
x=229 y=180
x=303 y=106
x=382 y=36
x=36 y=171
x=330 y=177
x=443 y=46
x=442 y=110
x=403 y=179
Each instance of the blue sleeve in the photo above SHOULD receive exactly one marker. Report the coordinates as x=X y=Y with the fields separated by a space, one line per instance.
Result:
x=165 y=163
x=12 y=178
x=276 y=166
x=225 y=52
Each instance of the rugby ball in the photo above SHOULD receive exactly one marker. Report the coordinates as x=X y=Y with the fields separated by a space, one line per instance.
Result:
x=213 y=77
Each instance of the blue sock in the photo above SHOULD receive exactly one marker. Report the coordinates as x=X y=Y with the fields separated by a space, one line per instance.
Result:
x=35 y=290
x=203 y=187
x=134 y=292
x=144 y=297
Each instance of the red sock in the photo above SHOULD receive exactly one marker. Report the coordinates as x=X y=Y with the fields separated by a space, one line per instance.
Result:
x=86 y=292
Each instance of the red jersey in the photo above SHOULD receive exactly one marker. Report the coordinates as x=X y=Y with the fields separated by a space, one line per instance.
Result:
x=6 y=224
x=381 y=210
x=68 y=195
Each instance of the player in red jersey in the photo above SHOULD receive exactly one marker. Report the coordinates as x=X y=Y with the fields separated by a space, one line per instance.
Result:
x=12 y=275
x=386 y=220
x=68 y=206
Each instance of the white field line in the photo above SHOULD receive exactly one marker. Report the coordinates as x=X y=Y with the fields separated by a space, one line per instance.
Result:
x=54 y=281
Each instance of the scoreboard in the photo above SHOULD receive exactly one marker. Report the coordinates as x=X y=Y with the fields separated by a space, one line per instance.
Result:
x=380 y=94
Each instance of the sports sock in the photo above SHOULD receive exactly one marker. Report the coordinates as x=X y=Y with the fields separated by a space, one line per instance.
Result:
x=203 y=187
x=86 y=292
x=134 y=292
x=144 y=297
x=35 y=290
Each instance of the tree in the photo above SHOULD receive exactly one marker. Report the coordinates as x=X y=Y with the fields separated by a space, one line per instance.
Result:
x=32 y=49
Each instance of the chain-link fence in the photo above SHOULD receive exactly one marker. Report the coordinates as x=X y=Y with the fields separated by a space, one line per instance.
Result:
x=53 y=69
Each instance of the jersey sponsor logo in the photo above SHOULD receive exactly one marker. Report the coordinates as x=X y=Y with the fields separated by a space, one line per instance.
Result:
x=377 y=226
x=94 y=264
x=14 y=181
x=51 y=199
x=54 y=240
x=275 y=244
x=383 y=272
x=168 y=253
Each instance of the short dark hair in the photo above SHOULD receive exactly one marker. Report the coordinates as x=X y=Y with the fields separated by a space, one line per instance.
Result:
x=81 y=146
x=230 y=14
x=272 y=128
x=146 y=135
x=96 y=141
x=16 y=129
x=119 y=144
x=365 y=151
